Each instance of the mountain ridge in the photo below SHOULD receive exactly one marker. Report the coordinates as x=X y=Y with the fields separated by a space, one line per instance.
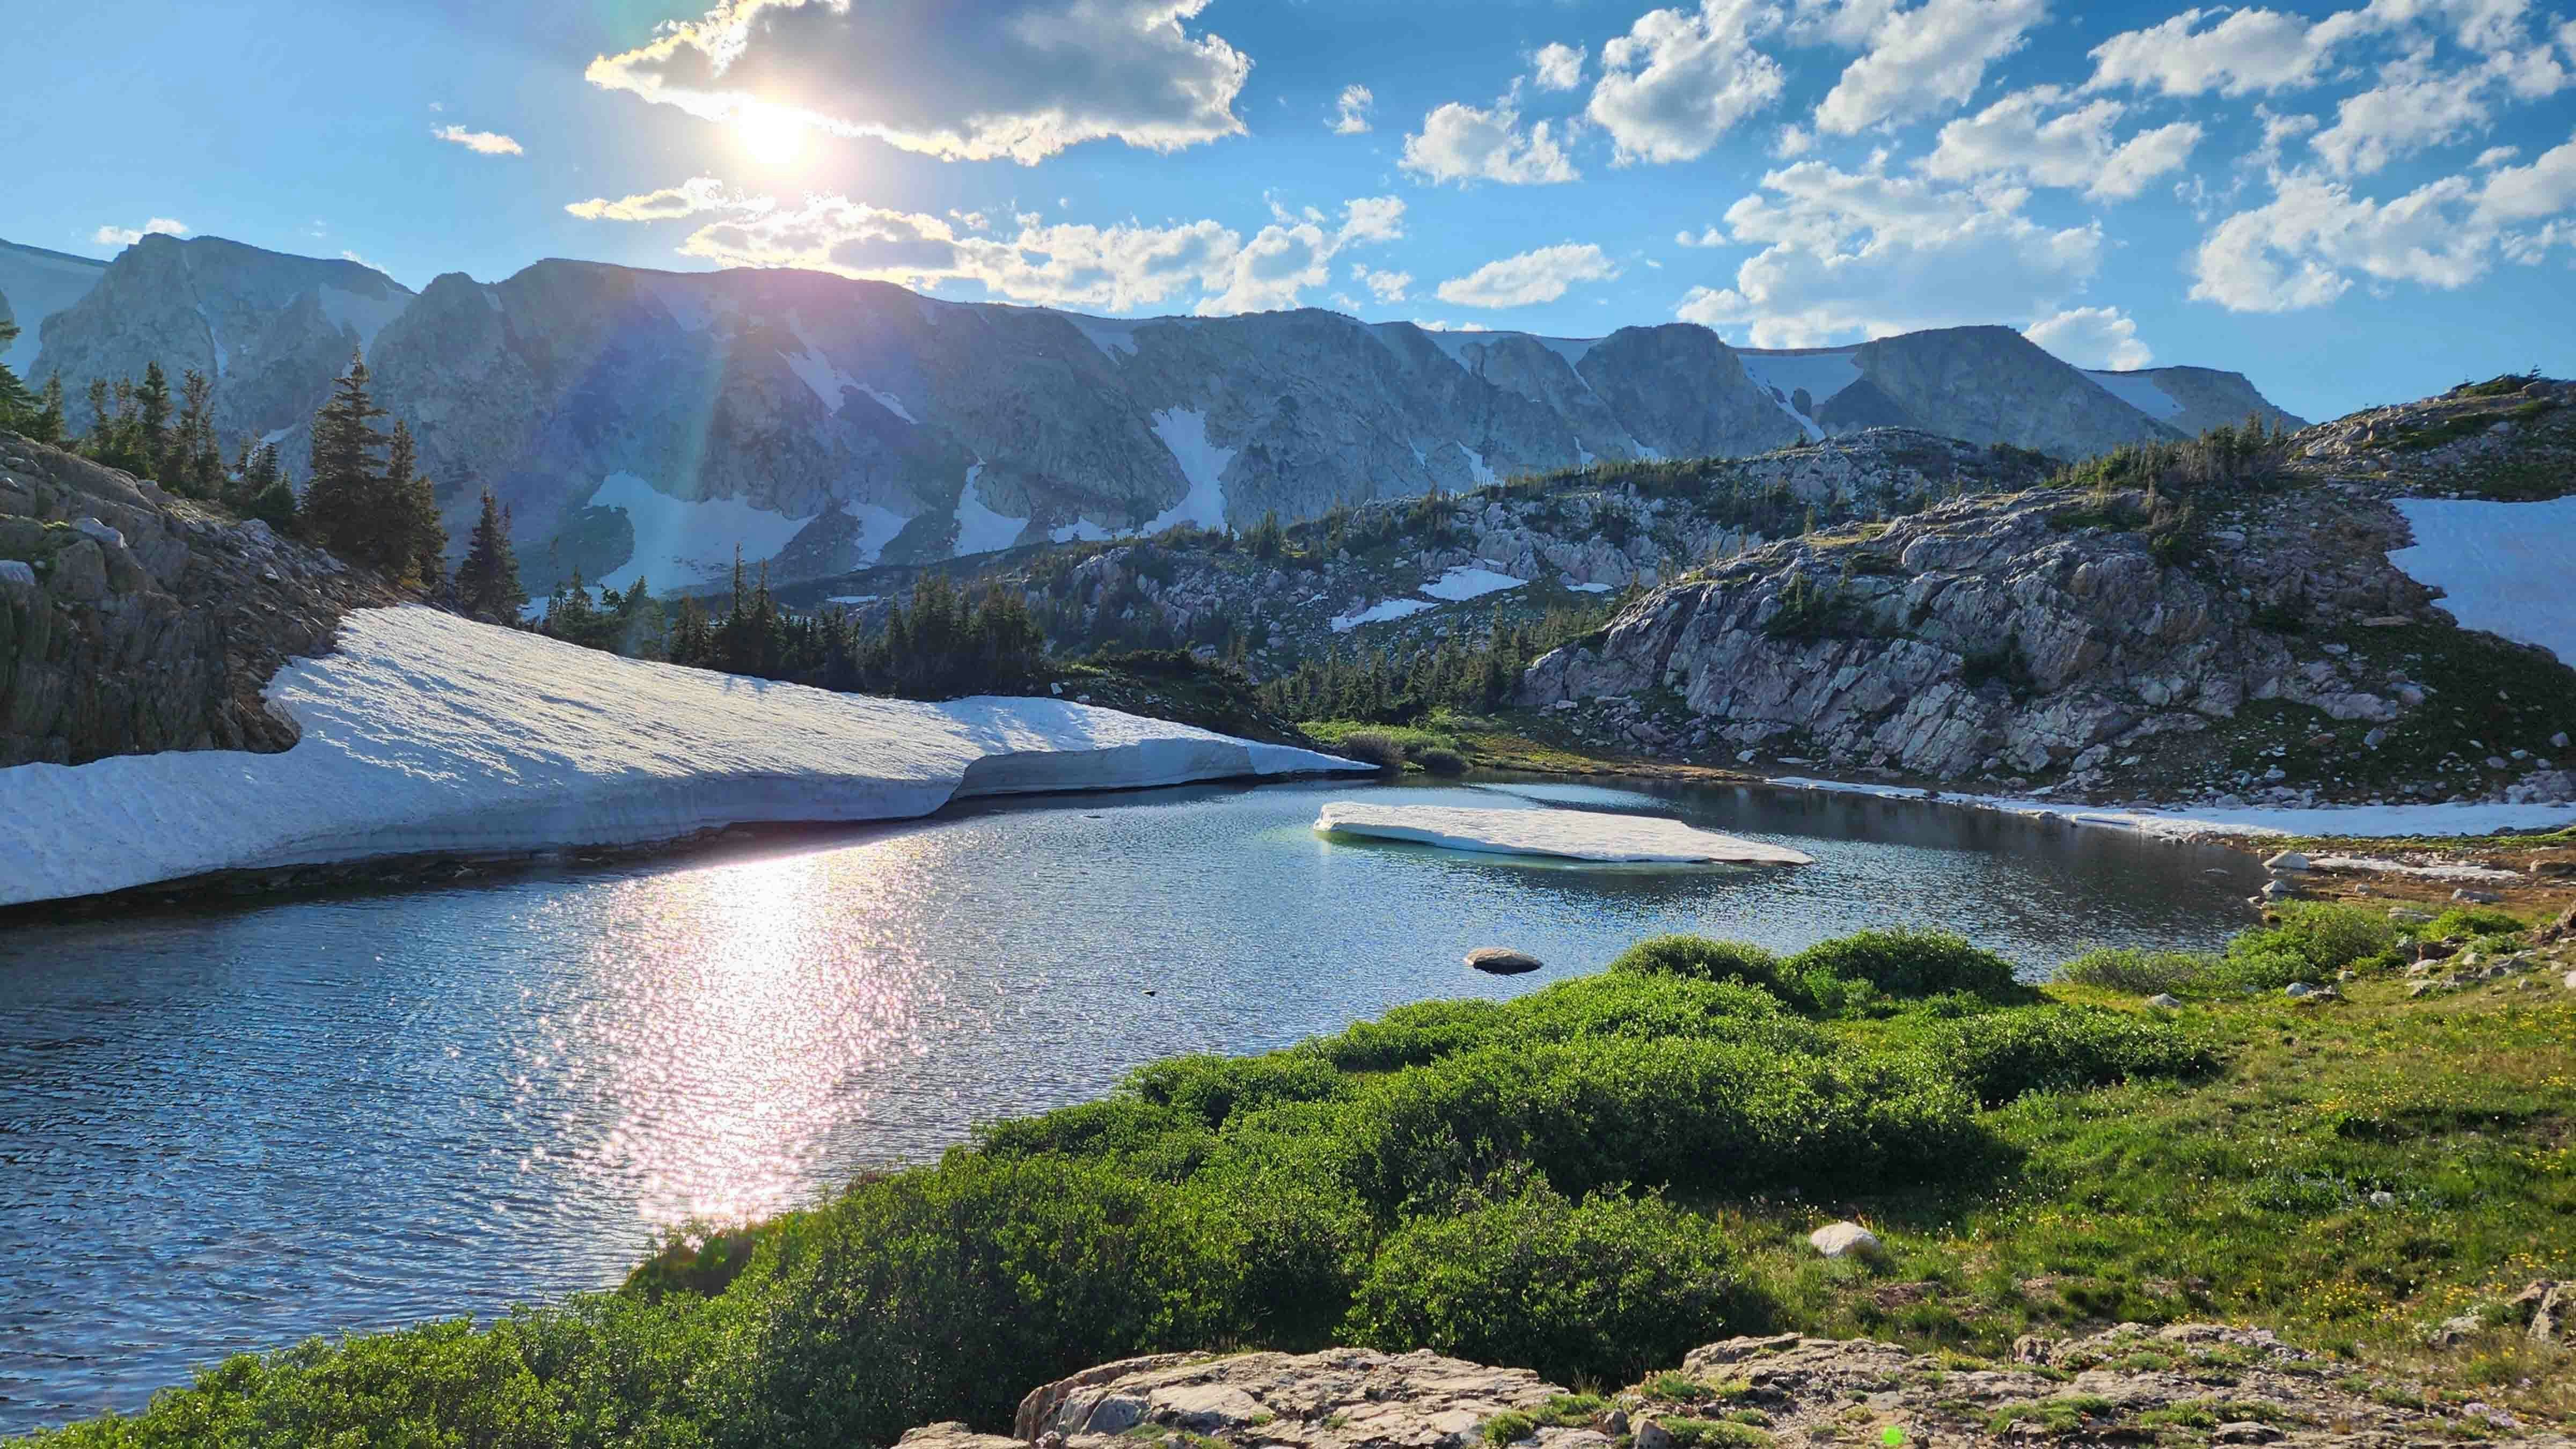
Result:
x=641 y=422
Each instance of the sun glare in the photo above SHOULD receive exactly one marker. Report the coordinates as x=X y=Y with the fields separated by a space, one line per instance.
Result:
x=772 y=137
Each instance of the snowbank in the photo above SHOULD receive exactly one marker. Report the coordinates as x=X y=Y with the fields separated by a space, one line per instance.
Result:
x=426 y=733
x=1470 y=581
x=2188 y=822
x=1560 y=834
x=2503 y=568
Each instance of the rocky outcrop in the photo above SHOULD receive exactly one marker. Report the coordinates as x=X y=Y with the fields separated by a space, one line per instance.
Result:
x=132 y=621
x=1574 y=538
x=829 y=424
x=34 y=285
x=2205 y=1383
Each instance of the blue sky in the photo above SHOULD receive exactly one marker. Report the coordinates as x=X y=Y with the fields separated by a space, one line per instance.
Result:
x=2351 y=204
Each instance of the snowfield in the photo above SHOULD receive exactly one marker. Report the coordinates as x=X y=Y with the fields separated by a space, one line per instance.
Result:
x=2503 y=568
x=1556 y=834
x=2196 y=822
x=426 y=733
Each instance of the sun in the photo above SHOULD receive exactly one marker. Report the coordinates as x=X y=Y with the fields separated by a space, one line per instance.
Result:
x=772 y=137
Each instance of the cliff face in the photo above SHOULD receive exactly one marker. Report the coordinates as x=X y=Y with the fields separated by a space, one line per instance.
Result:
x=34 y=285
x=647 y=423
x=132 y=621
x=271 y=330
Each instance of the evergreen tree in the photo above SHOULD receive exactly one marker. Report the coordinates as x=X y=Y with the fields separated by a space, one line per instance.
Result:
x=48 y=425
x=194 y=465
x=420 y=544
x=17 y=405
x=487 y=582
x=346 y=502
x=152 y=415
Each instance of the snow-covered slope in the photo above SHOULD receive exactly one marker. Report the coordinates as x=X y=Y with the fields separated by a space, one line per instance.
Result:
x=2504 y=568
x=1585 y=835
x=34 y=285
x=425 y=733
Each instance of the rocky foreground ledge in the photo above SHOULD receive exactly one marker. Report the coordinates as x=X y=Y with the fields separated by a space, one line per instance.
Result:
x=2187 y=1384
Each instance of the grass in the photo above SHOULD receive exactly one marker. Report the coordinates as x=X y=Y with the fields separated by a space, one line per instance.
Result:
x=1589 y=1180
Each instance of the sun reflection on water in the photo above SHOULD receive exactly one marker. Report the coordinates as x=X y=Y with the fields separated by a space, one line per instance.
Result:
x=735 y=1022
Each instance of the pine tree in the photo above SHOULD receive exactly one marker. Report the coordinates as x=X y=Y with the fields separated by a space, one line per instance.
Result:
x=194 y=465
x=17 y=405
x=152 y=413
x=487 y=582
x=345 y=501
x=419 y=546
x=48 y=425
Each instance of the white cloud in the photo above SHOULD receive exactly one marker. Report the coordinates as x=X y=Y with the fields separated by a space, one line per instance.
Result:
x=1712 y=237
x=2413 y=110
x=1114 y=268
x=697 y=194
x=126 y=236
x=2305 y=247
x=1386 y=286
x=2073 y=149
x=1022 y=79
x=1351 y=116
x=1676 y=82
x=1558 y=67
x=1793 y=141
x=2278 y=130
x=1868 y=253
x=2092 y=337
x=1916 y=62
x=481 y=143
x=2244 y=52
x=1461 y=143
x=1530 y=278
x=2495 y=156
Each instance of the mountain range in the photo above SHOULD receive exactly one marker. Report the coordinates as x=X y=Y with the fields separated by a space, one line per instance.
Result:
x=644 y=423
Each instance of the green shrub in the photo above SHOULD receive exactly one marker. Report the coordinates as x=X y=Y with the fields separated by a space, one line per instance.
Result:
x=1698 y=958
x=1682 y=1113
x=1602 y=1289
x=2140 y=973
x=1372 y=748
x=1149 y=1139
x=1620 y=1004
x=1210 y=1089
x=945 y=1293
x=1408 y=1036
x=2310 y=942
x=2001 y=1055
x=2461 y=921
x=1438 y=761
x=1914 y=963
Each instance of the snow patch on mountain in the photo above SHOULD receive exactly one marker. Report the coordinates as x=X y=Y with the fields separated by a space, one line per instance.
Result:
x=426 y=733
x=1572 y=350
x=1470 y=581
x=1381 y=613
x=1184 y=432
x=682 y=542
x=2138 y=390
x=2502 y=567
x=979 y=528
x=38 y=284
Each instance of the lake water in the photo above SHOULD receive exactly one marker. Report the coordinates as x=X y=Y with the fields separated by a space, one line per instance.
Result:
x=228 y=1129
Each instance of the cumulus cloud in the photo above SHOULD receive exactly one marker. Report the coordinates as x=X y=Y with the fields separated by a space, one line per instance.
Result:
x=1351 y=111
x=1916 y=62
x=697 y=194
x=2092 y=337
x=1529 y=278
x=2414 y=110
x=2306 y=246
x=1558 y=67
x=1386 y=286
x=481 y=143
x=126 y=236
x=1463 y=143
x=2017 y=137
x=1677 y=81
x=1869 y=253
x=1016 y=79
x=2242 y=52
x=1114 y=268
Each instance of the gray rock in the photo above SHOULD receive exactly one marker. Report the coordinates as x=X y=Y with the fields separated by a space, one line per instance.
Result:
x=1846 y=1240
x=2164 y=1000
x=1502 y=961
x=2468 y=896
x=2288 y=860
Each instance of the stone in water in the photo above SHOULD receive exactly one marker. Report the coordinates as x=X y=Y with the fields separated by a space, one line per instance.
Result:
x=1502 y=961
